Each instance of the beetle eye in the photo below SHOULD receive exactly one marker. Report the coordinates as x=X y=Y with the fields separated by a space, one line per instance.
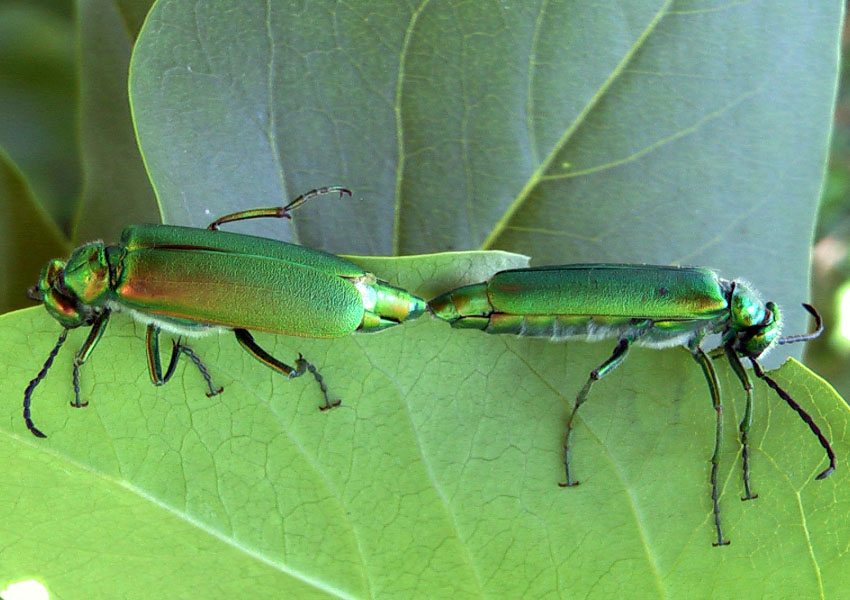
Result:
x=60 y=288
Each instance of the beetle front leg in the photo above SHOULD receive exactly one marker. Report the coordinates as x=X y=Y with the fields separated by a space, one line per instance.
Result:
x=155 y=365
x=596 y=374
x=747 y=421
x=85 y=351
x=301 y=364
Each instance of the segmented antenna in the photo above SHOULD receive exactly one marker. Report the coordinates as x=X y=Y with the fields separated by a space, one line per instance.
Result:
x=803 y=414
x=791 y=339
x=41 y=375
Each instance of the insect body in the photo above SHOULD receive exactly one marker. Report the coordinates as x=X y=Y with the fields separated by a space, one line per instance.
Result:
x=654 y=306
x=193 y=282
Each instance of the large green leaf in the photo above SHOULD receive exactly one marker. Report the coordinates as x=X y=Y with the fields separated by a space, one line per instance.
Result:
x=660 y=132
x=663 y=133
x=436 y=478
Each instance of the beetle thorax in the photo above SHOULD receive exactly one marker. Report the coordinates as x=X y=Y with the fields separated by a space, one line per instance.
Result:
x=86 y=274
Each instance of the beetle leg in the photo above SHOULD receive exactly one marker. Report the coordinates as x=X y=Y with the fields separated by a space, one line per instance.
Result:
x=716 y=353
x=277 y=212
x=214 y=391
x=155 y=365
x=747 y=421
x=714 y=388
x=85 y=351
x=301 y=365
x=596 y=374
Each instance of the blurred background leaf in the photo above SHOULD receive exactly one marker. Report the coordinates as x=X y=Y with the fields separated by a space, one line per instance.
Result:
x=37 y=89
x=65 y=128
x=24 y=222
x=830 y=354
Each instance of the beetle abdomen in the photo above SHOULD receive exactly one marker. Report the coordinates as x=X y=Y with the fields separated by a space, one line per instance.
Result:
x=647 y=291
x=239 y=291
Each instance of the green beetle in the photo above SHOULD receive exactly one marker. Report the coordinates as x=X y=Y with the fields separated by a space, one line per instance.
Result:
x=193 y=282
x=654 y=306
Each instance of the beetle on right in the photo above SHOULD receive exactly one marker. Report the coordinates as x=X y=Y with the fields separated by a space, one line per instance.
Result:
x=646 y=305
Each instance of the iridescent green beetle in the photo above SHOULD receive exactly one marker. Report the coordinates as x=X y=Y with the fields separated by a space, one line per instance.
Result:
x=654 y=306
x=193 y=282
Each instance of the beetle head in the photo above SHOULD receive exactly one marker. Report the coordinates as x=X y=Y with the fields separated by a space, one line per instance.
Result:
x=755 y=325
x=73 y=291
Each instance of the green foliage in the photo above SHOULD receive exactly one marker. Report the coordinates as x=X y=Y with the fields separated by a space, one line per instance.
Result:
x=24 y=223
x=437 y=477
x=655 y=133
x=36 y=90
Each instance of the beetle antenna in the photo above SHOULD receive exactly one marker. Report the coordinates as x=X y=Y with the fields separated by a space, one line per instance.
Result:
x=41 y=375
x=806 y=336
x=803 y=414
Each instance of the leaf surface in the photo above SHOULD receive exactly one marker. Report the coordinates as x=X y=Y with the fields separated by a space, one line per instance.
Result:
x=436 y=477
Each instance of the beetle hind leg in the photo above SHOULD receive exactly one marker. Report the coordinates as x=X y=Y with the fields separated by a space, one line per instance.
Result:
x=596 y=374
x=301 y=364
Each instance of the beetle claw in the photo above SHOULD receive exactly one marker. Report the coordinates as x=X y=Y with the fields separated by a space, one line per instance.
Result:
x=330 y=405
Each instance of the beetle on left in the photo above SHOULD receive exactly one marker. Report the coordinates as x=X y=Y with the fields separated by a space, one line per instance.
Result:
x=193 y=282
